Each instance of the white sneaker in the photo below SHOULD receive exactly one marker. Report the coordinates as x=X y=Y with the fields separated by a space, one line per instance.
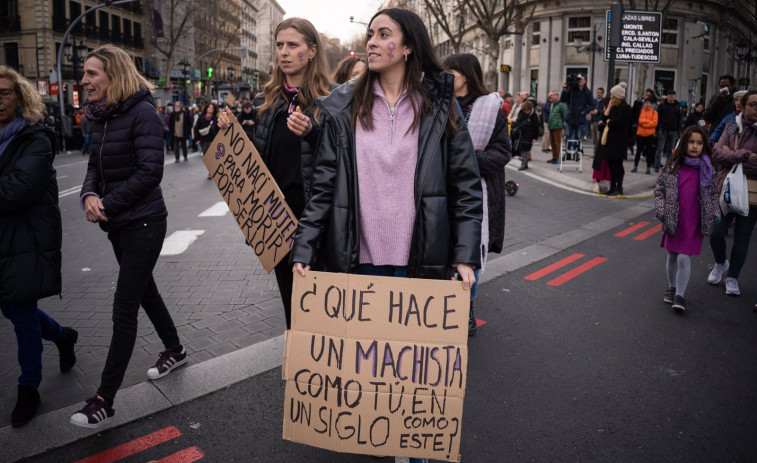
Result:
x=732 y=287
x=718 y=270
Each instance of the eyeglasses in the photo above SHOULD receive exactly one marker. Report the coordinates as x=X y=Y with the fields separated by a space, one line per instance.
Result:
x=6 y=92
x=752 y=104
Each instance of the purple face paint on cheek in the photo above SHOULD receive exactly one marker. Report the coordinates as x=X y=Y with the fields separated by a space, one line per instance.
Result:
x=301 y=56
x=391 y=47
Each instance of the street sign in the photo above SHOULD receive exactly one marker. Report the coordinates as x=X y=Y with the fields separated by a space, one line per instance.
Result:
x=744 y=82
x=640 y=37
x=42 y=87
x=505 y=68
x=54 y=88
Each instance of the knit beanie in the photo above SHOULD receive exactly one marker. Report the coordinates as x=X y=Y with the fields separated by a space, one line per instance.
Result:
x=619 y=91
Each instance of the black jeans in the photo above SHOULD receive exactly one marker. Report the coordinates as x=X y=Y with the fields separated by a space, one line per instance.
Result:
x=616 y=173
x=179 y=144
x=137 y=247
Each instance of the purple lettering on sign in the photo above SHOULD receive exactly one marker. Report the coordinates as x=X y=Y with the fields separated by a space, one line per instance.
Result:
x=392 y=46
x=220 y=151
x=301 y=56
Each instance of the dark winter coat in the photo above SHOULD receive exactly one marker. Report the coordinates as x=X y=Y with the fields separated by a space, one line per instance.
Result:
x=448 y=196
x=669 y=116
x=525 y=130
x=264 y=132
x=248 y=129
x=491 y=164
x=201 y=124
x=719 y=107
x=187 y=122
x=619 y=122
x=30 y=222
x=126 y=165
x=580 y=103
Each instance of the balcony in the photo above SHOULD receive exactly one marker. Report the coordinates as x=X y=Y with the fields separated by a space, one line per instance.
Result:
x=91 y=31
x=139 y=43
x=116 y=37
x=104 y=34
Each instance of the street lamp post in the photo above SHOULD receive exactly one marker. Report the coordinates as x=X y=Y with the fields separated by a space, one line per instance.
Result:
x=747 y=52
x=185 y=72
x=593 y=48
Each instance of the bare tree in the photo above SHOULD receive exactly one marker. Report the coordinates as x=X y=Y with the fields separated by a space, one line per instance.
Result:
x=179 y=15
x=451 y=22
x=498 y=18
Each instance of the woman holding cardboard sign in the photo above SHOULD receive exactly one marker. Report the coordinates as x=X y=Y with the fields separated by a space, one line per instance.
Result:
x=285 y=129
x=396 y=188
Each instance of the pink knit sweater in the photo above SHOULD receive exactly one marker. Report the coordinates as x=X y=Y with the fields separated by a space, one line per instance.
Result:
x=386 y=160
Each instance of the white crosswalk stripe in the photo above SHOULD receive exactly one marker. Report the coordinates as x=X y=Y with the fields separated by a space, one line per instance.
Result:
x=218 y=209
x=179 y=241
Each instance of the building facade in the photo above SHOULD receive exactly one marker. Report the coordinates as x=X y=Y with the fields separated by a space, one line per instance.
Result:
x=270 y=14
x=249 y=47
x=700 y=41
x=31 y=33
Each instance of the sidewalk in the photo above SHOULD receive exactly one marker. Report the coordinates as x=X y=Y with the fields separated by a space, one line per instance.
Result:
x=234 y=329
x=635 y=185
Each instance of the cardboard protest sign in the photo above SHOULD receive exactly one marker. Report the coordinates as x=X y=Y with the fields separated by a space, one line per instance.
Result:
x=376 y=365
x=253 y=196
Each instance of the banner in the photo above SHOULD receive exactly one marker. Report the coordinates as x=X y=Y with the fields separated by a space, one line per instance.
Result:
x=253 y=196
x=376 y=365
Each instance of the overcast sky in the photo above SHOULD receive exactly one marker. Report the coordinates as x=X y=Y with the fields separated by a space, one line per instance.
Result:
x=332 y=17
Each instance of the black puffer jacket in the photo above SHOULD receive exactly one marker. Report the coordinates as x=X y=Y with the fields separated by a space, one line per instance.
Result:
x=264 y=132
x=30 y=223
x=448 y=198
x=126 y=164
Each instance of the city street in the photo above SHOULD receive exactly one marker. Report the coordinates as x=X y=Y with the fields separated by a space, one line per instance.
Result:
x=579 y=358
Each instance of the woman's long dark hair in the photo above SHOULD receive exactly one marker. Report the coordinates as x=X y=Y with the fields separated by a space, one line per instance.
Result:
x=421 y=60
x=343 y=71
x=676 y=159
x=469 y=67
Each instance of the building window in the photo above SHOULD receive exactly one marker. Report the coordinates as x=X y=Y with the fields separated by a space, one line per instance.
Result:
x=579 y=25
x=534 y=88
x=11 y=56
x=703 y=88
x=707 y=36
x=664 y=81
x=115 y=28
x=670 y=31
x=535 y=34
x=74 y=12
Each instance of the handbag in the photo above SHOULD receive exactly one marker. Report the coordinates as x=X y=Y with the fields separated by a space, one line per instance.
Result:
x=605 y=132
x=735 y=194
x=204 y=131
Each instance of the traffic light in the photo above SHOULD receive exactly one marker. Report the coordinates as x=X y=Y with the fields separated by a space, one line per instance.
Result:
x=352 y=53
x=210 y=72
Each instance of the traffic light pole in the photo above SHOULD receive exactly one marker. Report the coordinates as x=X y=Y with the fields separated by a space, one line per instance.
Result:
x=74 y=23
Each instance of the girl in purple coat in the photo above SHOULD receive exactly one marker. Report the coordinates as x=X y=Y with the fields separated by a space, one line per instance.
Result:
x=686 y=203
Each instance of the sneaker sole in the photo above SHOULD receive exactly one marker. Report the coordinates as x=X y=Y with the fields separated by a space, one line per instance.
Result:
x=89 y=425
x=667 y=301
x=173 y=367
x=679 y=308
x=731 y=293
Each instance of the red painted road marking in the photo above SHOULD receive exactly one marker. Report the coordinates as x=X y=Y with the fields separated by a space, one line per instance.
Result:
x=480 y=322
x=135 y=446
x=184 y=456
x=631 y=229
x=576 y=271
x=551 y=268
x=648 y=233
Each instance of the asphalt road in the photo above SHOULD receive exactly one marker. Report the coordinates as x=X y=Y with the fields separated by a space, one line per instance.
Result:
x=593 y=368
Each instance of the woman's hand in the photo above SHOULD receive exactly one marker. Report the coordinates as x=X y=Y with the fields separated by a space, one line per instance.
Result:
x=301 y=269
x=298 y=123
x=93 y=207
x=224 y=120
x=465 y=272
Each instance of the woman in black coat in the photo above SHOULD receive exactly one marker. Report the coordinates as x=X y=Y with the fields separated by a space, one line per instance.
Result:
x=30 y=227
x=526 y=131
x=342 y=223
x=613 y=146
x=121 y=193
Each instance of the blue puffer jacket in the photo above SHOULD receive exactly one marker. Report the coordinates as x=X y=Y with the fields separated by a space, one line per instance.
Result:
x=126 y=164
